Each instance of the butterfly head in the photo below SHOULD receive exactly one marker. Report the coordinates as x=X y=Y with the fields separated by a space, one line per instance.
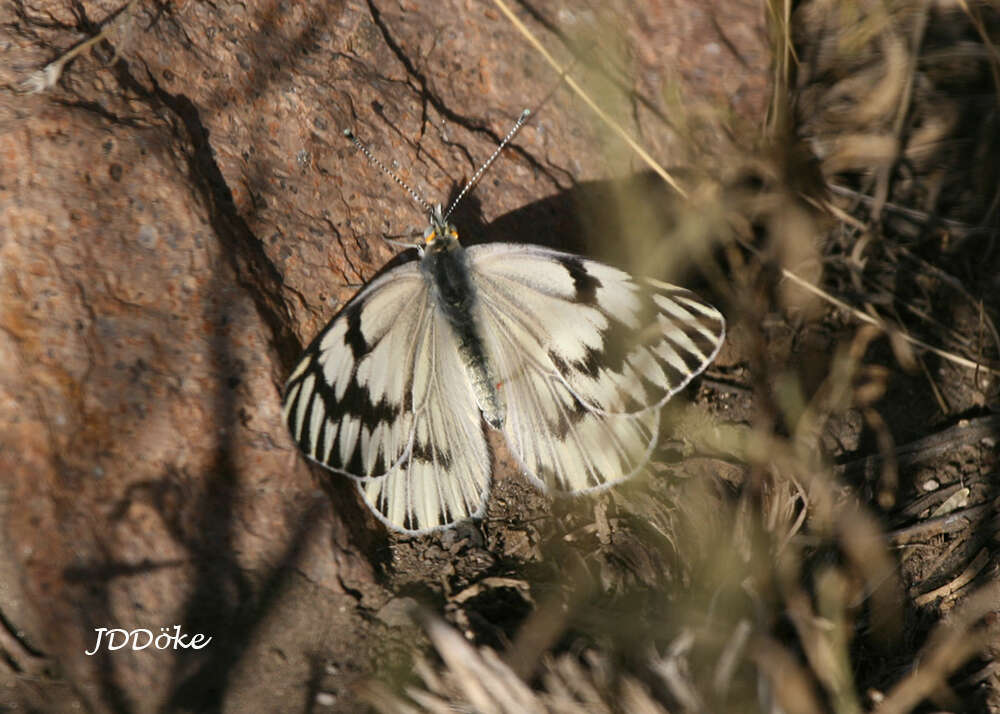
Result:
x=439 y=234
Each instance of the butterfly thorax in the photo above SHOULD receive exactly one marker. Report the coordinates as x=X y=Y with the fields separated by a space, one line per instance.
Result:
x=446 y=267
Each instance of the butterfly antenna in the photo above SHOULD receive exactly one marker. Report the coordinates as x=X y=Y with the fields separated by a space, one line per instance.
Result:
x=482 y=169
x=386 y=170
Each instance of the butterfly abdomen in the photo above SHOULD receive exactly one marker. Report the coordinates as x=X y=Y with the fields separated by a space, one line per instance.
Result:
x=446 y=267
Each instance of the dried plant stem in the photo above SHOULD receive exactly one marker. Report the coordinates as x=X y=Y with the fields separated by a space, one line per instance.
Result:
x=955 y=521
x=902 y=111
x=580 y=92
x=950 y=645
x=864 y=317
x=950 y=588
x=660 y=171
x=47 y=77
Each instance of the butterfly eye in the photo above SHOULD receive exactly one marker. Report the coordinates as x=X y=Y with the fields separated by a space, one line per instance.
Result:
x=430 y=237
x=453 y=233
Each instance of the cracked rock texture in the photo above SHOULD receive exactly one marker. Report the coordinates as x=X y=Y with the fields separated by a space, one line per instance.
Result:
x=178 y=215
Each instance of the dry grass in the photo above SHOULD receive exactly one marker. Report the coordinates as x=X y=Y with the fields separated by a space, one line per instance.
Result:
x=855 y=254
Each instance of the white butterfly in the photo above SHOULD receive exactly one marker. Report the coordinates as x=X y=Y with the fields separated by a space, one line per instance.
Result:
x=569 y=358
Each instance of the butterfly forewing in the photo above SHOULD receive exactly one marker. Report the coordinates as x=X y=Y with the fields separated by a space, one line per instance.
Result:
x=586 y=354
x=381 y=395
x=349 y=402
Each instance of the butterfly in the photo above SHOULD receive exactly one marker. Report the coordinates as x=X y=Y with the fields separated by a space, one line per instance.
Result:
x=571 y=359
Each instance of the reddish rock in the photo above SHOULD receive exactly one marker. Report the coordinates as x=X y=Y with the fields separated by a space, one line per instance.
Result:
x=179 y=214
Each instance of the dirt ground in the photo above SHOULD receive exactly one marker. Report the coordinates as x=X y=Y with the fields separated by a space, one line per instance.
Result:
x=181 y=213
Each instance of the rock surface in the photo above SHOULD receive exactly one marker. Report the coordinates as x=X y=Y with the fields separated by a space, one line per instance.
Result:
x=178 y=215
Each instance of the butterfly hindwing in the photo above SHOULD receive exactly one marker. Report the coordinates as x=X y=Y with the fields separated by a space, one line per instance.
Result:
x=586 y=354
x=559 y=441
x=447 y=476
